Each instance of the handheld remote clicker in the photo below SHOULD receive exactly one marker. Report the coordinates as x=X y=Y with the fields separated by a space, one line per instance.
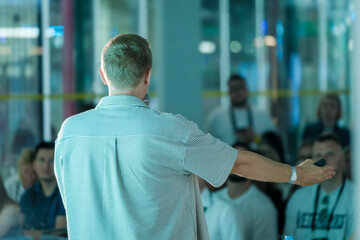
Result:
x=320 y=163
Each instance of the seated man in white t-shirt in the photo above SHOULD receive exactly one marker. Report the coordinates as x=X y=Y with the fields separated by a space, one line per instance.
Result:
x=326 y=210
x=225 y=221
x=250 y=212
x=240 y=122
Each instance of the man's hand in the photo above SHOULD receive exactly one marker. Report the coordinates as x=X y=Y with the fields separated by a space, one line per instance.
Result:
x=309 y=174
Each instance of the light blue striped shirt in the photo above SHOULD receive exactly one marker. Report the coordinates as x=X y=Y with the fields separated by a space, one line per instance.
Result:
x=126 y=171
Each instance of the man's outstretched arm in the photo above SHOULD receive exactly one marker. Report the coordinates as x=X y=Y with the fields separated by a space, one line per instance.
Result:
x=257 y=167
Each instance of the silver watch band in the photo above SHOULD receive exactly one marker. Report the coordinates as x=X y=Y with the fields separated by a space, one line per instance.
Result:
x=293 y=176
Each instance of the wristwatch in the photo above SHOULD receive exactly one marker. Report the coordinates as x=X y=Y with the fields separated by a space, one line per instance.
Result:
x=293 y=176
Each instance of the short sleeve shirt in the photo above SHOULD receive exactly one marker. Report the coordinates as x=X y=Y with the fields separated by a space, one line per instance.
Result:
x=126 y=171
x=40 y=211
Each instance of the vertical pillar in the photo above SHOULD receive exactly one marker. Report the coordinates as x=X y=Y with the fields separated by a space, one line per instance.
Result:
x=68 y=53
x=177 y=58
x=143 y=18
x=323 y=39
x=260 y=50
x=224 y=49
x=46 y=84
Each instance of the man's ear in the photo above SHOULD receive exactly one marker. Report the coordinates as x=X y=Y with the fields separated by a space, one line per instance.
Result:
x=147 y=76
x=102 y=77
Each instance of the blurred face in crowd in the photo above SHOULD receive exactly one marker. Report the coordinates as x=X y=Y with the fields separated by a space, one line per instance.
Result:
x=238 y=92
x=305 y=152
x=28 y=175
x=44 y=165
x=329 y=112
x=332 y=152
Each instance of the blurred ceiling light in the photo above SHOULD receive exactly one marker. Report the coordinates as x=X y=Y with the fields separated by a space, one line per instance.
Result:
x=5 y=50
x=258 y=42
x=50 y=32
x=270 y=41
x=207 y=47
x=235 y=46
x=30 y=32
x=19 y=32
x=351 y=45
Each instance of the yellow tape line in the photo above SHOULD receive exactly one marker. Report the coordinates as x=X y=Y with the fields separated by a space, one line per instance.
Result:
x=207 y=94
x=279 y=93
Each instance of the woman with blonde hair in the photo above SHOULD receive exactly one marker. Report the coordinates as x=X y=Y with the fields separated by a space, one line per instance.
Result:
x=9 y=215
x=329 y=112
x=25 y=178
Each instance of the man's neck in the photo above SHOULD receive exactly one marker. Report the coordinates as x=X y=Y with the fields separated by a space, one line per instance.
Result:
x=332 y=184
x=48 y=186
x=328 y=124
x=235 y=190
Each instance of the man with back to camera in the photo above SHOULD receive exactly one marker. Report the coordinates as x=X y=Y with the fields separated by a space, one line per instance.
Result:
x=126 y=171
x=326 y=210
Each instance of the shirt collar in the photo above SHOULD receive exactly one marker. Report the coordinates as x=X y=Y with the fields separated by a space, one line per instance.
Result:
x=38 y=189
x=120 y=100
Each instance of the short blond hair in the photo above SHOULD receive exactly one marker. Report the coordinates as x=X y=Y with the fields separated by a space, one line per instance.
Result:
x=125 y=59
x=26 y=158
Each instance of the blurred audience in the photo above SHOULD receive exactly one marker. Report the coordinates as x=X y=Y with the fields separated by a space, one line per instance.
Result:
x=25 y=178
x=271 y=141
x=240 y=122
x=329 y=112
x=24 y=137
x=325 y=210
x=257 y=213
x=41 y=204
x=275 y=191
x=9 y=215
x=304 y=151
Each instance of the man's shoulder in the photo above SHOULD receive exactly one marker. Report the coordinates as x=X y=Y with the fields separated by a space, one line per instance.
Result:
x=74 y=122
x=31 y=190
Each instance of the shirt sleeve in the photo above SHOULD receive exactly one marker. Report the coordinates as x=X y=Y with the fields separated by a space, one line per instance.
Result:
x=208 y=157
